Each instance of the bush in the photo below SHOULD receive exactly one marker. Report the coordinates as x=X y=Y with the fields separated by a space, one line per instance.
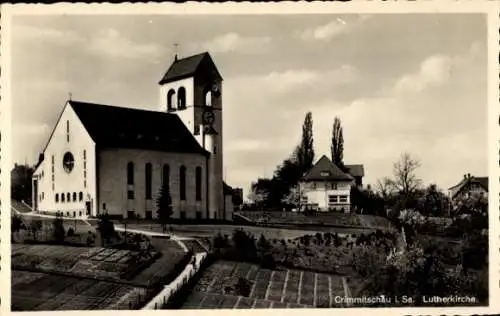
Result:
x=71 y=232
x=268 y=261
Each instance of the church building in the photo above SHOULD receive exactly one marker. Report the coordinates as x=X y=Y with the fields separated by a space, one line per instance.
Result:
x=109 y=159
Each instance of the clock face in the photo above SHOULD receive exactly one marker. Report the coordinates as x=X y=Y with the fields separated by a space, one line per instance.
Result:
x=208 y=117
x=68 y=162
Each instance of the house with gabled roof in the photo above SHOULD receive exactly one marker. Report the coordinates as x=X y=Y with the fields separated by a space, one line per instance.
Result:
x=114 y=159
x=468 y=186
x=327 y=187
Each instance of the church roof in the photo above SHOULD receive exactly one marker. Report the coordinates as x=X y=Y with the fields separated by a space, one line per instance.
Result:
x=326 y=170
x=187 y=67
x=120 y=127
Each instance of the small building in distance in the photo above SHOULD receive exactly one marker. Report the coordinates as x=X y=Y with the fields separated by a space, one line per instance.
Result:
x=469 y=186
x=327 y=187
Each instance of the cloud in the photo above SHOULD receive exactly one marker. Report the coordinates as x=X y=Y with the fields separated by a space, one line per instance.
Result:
x=110 y=42
x=46 y=34
x=231 y=42
x=106 y=42
x=437 y=70
x=332 y=29
x=434 y=71
x=295 y=80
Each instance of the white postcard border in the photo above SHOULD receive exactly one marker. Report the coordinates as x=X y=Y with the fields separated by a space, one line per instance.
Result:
x=369 y=7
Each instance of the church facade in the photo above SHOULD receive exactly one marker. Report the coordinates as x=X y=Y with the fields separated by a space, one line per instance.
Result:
x=109 y=159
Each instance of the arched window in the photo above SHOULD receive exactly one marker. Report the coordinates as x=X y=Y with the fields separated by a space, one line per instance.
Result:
x=57 y=197
x=62 y=197
x=80 y=196
x=130 y=173
x=68 y=197
x=165 y=175
x=181 y=98
x=208 y=98
x=198 y=183
x=182 y=183
x=74 y=196
x=170 y=99
x=148 y=172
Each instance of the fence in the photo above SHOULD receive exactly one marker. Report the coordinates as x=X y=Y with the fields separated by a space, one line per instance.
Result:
x=163 y=297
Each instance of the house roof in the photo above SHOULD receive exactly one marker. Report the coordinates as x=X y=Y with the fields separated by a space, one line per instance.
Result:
x=355 y=170
x=325 y=170
x=482 y=181
x=187 y=67
x=121 y=127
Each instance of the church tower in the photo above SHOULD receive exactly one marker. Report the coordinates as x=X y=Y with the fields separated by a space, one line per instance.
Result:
x=192 y=89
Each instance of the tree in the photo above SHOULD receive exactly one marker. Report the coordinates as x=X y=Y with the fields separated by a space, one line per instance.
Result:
x=293 y=197
x=106 y=228
x=58 y=228
x=164 y=206
x=434 y=202
x=405 y=179
x=337 y=145
x=21 y=177
x=305 y=151
x=36 y=226
x=385 y=188
x=16 y=225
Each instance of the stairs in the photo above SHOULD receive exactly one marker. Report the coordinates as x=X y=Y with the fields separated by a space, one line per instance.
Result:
x=20 y=206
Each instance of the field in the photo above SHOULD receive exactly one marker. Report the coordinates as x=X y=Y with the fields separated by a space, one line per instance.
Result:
x=41 y=291
x=285 y=288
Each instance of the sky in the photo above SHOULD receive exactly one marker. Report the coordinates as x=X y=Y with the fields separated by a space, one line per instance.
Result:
x=413 y=83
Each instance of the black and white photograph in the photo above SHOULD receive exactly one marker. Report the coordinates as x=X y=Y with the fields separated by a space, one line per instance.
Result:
x=162 y=160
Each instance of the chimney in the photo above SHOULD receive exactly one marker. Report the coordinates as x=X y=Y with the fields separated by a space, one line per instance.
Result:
x=468 y=175
x=465 y=176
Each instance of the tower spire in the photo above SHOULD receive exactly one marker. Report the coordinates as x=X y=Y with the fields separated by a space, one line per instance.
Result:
x=176 y=46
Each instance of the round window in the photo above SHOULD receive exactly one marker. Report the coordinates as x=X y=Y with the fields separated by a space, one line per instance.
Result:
x=68 y=162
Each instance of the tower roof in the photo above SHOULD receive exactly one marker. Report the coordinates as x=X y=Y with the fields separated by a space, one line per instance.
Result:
x=188 y=66
x=121 y=127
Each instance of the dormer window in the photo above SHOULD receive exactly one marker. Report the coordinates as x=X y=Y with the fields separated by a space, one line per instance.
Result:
x=325 y=173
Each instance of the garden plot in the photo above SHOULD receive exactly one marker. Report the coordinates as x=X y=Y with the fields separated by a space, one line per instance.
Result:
x=218 y=288
x=79 y=261
x=44 y=292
